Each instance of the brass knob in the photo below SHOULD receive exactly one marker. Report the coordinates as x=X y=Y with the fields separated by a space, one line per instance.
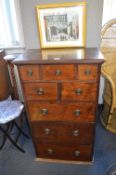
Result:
x=77 y=112
x=77 y=153
x=50 y=151
x=58 y=72
x=47 y=131
x=76 y=133
x=29 y=73
x=78 y=91
x=87 y=72
x=44 y=111
x=40 y=91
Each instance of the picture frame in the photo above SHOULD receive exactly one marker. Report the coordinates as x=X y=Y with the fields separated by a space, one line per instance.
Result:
x=62 y=25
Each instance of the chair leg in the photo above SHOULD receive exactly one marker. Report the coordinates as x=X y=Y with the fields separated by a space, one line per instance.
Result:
x=11 y=127
x=24 y=116
x=12 y=141
x=4 y=136
x=20 y=130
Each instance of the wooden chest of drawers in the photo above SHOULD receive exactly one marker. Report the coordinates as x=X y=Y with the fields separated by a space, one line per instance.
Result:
x=61 y=93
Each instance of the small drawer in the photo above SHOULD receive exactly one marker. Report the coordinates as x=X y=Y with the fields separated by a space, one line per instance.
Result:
x=64 y=152
x=29 y=72
x=79 y=91
x=41 y=91
x=61 y=112
x=58 y=72
x=57 y=132
x=87 y=72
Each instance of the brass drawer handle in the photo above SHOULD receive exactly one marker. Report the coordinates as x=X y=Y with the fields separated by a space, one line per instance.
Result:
x=29 y=73
x=76 y=133
x=47 y=131
x=77 y=153
x=50 y=151
x=44 y=111
x=40 y=91
x=78 y=91
x=77 y=112
x=58 y=72
x=87 y=72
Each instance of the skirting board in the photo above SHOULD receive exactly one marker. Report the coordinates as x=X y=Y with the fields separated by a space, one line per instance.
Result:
x=64 y=161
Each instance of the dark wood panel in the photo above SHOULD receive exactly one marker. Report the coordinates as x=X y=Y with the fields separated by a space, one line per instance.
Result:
x=6 y=88
x=48 y=56
x=47 y=111
x=58 y=72
x=64 y=152
x=41 y=91
x=87 y=72
x=29 y=72
x=79 y=91
x=57 y=132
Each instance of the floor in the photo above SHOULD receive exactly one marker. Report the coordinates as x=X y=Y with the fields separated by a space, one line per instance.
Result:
x=13 y=162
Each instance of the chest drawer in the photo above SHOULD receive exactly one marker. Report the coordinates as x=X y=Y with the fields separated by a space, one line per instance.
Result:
x=65 y=152
x=51 y=132
x=61 y=111
x=58 y=72
x=29 y=72
x=87 y=72
x=79 y=91
x=40 y=91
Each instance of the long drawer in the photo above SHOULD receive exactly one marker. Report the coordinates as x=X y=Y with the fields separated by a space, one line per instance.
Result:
x=65 y=152
x=58 y=72
x=46 y=111
x=57 y=132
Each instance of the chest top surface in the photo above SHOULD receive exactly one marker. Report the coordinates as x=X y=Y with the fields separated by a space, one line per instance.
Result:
x=60 y=56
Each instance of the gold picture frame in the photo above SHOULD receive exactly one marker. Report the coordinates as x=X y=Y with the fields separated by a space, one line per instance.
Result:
x=62 y=25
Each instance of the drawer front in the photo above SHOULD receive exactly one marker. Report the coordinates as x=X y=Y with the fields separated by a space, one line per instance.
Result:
x=41 y=91
x=58 y=72
x=87 y=72
x=47 y=132
x=79 y=91
x=47 y=111
x=29 y=72
x=65 y=152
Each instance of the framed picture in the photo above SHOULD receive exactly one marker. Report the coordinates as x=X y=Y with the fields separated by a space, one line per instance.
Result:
x=62 y=25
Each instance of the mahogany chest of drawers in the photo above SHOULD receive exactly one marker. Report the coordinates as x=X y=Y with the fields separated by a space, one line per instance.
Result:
x=60 y=89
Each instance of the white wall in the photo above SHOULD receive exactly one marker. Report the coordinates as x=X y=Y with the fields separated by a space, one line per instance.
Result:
x=94 y=22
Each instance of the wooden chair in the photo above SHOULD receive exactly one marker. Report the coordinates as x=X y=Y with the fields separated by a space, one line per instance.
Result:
x=108 y=41
x=10 y=109
x=108 y=48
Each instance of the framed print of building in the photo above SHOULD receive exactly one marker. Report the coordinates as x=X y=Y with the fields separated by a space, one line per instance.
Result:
x=62 y=25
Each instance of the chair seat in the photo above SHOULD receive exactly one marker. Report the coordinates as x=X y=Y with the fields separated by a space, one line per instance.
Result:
x=10 y=110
